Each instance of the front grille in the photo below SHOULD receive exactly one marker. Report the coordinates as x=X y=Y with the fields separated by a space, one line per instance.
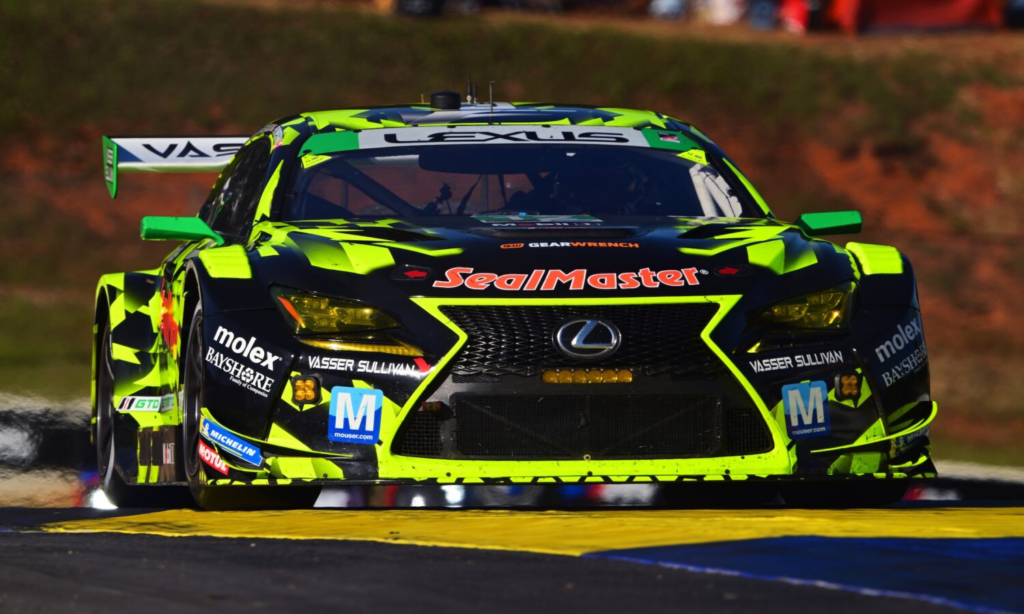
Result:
x=551 y=427
x=657 y=339
x=421 y=435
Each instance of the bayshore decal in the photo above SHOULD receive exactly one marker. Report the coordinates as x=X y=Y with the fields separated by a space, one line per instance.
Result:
x=546 y=280
x=238 y=371
x=902 y=354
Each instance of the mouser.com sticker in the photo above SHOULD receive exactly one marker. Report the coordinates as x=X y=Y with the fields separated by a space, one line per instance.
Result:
x=230 y=443
x=546 y=280
x=237 y=369
x=806 y=409
x=355 y=415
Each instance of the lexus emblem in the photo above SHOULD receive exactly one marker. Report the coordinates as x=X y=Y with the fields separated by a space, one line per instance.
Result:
x=587 y=339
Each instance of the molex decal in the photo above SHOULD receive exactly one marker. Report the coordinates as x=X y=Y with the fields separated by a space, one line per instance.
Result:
x=901 y=354
x=242 y=370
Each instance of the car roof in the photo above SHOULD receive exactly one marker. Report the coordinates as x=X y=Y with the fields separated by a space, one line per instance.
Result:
x=503 y=113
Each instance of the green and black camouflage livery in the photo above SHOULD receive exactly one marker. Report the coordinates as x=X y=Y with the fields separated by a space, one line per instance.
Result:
x=741 y=266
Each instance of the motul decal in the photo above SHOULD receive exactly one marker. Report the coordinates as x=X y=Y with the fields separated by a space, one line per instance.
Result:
x=546 y=280
x=211 y=458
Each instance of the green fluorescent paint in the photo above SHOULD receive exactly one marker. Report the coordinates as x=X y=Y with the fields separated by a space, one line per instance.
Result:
x=159 y=228
x=834 y=223
x=770 y=255
x=877 y=259
x=330 y=142
x=229 y=262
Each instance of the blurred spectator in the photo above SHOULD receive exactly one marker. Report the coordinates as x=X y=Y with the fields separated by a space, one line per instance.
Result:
x=667 y=9
x=720 y=12
x=1015 y=13
x=763 y=14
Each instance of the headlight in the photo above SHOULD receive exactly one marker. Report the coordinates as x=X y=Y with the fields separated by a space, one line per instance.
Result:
x=829 y=309
x=308 y=314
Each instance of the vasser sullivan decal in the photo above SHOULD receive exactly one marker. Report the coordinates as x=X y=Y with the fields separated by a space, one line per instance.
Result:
x=800 y=361
x=546 y=280
x=373 y=367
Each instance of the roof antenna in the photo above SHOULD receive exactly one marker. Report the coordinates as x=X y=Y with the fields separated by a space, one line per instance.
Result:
x=490 y=86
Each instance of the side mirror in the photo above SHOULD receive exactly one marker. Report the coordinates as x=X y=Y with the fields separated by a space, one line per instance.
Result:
x=177 y=229
x=838 y=223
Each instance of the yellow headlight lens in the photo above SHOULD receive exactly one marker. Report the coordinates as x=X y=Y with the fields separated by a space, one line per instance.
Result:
x=827 y=309
x=310 y=314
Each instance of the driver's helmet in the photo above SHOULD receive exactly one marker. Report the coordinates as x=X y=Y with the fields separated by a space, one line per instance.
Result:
x=611 y=190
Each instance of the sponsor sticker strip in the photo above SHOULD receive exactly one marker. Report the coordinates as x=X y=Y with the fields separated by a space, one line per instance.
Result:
x=230 y=443
x=546 y=280
x=806 y=409
x=209 y=456
x=371 y=367
x=158 y=404
x=355 y=415
x=238 y=371
x=800 y=361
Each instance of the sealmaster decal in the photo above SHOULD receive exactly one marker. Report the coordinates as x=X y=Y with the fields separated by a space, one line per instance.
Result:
x=546 y=280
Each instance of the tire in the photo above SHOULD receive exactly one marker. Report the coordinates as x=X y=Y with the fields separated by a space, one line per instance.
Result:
x=719 y=495
x=206 y=495
x=844 y=494
x=118 y=492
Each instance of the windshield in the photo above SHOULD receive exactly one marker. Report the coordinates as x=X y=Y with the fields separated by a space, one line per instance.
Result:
x=544 y=180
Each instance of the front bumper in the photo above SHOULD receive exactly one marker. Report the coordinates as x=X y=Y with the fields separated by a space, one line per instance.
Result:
x=290 y=461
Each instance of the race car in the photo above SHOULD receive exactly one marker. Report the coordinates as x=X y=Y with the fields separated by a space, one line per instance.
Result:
x=505 y=293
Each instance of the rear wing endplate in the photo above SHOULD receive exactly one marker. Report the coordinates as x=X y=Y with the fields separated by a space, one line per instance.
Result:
x=186 y=154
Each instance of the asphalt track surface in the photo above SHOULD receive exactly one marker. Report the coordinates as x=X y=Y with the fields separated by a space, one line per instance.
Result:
x=772 y=560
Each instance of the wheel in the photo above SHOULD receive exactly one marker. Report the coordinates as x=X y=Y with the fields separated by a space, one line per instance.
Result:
x=206 y=495
x=844 y=494
x=118 y=492
x=719 y=495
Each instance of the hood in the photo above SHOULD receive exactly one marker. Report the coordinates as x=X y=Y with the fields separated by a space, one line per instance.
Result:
x=548 y=257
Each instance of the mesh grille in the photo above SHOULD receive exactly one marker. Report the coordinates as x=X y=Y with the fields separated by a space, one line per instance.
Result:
x=421 y=435
x=603 y=427
x=517 y=340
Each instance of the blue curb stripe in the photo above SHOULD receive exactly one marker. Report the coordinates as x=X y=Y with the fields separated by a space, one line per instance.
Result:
x=978 y=575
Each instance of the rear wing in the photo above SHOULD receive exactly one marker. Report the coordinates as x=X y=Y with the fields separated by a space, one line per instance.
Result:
x=185 y=154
